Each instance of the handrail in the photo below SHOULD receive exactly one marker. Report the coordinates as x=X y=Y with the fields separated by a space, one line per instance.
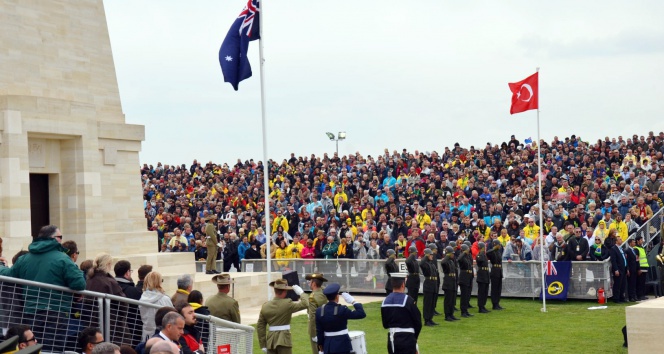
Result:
x=644 y=230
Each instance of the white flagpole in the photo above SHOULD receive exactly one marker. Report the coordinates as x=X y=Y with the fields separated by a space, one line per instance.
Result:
x=266 y=179
x=541 y=205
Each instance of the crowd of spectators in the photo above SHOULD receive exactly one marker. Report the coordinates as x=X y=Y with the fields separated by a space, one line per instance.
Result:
x=359 y=207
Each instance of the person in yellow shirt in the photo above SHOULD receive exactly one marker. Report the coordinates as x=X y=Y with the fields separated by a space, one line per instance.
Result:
x=422 y=218
x=281 y=253
x=280 y=220
x=294 y=250
x=620 y=226
x=368 y=210
x=504 y=237
x=531 y=231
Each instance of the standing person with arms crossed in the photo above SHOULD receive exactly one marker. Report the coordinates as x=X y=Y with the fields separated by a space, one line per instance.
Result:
x=332 y=321
x=483 y=278
x=413 y=280
x=211 y=243
x=390 y=267
x=277 y=313
x=316 y=300
x=401 y=318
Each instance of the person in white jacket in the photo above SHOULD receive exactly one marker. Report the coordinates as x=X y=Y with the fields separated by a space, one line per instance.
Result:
x=152 y=293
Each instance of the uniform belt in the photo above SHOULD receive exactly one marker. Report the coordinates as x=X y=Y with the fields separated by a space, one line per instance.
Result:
x=485 y=268
x=431 y=278
x=469 y=271
x=450 y=275
x=394 y=330
x=337 y=333
x=279 y=328
x=497 y=265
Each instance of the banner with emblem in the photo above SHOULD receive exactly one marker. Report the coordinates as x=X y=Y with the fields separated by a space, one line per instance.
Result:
x=556 y=280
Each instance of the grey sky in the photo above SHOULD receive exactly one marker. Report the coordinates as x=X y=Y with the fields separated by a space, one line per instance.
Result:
x=392 y=74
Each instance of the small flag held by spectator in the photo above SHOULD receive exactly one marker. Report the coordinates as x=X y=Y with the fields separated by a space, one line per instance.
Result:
x=233 y=52
x=524 y=94
x=528 y=141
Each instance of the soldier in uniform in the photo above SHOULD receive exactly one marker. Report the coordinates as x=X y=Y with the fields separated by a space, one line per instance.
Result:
x=483 y=278
x=413 y=280
x=434 y=248
x=429 y=287
x=401 y=318
x=211 y=244
x=449 y=283
x=277 y=314
x=390 y=267
x=316 y=300
x=465 y=279
x=496 y=259
x=332 y=321
x=220 y=304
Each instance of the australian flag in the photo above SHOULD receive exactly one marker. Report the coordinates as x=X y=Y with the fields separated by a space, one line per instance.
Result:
x=233 y=52
x=557 y=280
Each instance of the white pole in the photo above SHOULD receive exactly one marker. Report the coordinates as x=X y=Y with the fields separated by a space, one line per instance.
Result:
x=266 y=179
x=541 y=205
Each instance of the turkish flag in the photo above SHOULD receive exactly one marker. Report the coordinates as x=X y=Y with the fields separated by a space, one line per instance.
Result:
x=524 y=94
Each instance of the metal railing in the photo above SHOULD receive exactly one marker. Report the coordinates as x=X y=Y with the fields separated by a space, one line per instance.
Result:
x=57 y=314
x=651 y=230
x=521 y=279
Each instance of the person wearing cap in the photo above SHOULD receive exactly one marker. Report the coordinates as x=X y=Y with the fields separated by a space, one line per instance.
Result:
x=495 y=257
x=483 y=278
x=449 y=283
x=211 y=244
x=465 y=261
x=220 y=304
x=413 y=280
x=427 y=265
x=401 y=317
x=390 y=267
x=276 y=339
x=332 y=321
x=434 y=249
x=316 y=300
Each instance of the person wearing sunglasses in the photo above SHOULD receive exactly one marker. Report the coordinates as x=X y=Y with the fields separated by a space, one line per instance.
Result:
x=25 y=336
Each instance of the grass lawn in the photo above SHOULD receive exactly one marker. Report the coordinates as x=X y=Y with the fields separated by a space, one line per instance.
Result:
x=566 y=327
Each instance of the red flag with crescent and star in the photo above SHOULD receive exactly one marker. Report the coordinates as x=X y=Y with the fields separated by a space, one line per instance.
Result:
x=524 y=94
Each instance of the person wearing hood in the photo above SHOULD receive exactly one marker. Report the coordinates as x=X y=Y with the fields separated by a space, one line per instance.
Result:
x=154 y=294
x=47 y=262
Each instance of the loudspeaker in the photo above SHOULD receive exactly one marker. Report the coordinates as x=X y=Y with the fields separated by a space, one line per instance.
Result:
x=293 y=279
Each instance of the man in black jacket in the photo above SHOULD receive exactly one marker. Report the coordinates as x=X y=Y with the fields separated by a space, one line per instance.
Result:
x=496 y=259
x=483 y=278
x=577 y=249
x=465 y=261
x=619 y=270
x=413 y=279
x=449 y=283
x=632 y=269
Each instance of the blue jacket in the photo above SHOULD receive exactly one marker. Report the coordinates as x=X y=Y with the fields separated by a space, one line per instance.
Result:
x=333 y=317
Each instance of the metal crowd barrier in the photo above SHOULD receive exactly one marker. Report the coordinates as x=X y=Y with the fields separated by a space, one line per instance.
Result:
x=118 y=318
x=651 y=230
x=521 y=279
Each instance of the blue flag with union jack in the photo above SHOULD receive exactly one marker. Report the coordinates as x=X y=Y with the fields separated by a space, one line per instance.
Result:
x=556 y=280
x=233 y=52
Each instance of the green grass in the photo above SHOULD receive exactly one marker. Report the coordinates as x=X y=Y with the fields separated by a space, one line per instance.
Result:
x=566 y=327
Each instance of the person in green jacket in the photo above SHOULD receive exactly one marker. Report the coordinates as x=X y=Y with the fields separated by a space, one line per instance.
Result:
x=47 y=263
x=330 y=248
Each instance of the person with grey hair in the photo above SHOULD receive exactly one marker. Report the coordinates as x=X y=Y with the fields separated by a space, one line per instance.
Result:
x=172 y=328
x=164 y=347
x=185 y=285
x=106 y=348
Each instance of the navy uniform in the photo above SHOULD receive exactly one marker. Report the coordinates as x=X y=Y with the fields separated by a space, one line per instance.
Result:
x=449 y=283
x=332 y=321
x=496 y=259
x=390 y=267
x=429 y=288
x=413 y=280
x=483 y=278
x=465 y=279
x=403 y=320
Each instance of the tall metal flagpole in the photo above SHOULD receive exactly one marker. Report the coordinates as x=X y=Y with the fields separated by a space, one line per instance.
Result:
x=541 y=205
x=266 y=179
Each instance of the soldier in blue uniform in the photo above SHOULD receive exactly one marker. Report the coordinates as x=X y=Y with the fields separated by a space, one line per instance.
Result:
x=401 y=318
x=332 y=321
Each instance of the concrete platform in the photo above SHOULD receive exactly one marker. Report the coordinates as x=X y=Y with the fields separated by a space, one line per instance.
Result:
x=645 y=323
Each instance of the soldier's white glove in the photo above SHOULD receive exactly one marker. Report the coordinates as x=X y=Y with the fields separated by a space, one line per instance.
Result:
x=315 y=339
x=348 y=298
x=298 y=290
x=264 y=350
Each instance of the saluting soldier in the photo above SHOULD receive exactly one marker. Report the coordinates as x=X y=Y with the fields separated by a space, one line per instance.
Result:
x=390 y=267
x=413 y=280
x=401 y=318
x=434 y=248
x=277 y=314
x=429 y=287
x=465 y=279
x=221 y=304
x=332 y=321
x=483 y=278
x=449 y=284
x=316 y=300
x=496 y=260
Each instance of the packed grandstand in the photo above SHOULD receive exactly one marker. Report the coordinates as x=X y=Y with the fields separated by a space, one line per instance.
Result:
x=368 y=204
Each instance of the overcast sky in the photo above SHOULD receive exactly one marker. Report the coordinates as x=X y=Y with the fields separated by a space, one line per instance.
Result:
x=391 y=74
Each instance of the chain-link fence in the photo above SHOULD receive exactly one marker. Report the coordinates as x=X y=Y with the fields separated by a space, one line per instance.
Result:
x=56 y=315
x=521 y=279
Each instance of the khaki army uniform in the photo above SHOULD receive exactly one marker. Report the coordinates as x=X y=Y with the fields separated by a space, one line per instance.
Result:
x=223 y=306
x=316 y=300
x=277 y=314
